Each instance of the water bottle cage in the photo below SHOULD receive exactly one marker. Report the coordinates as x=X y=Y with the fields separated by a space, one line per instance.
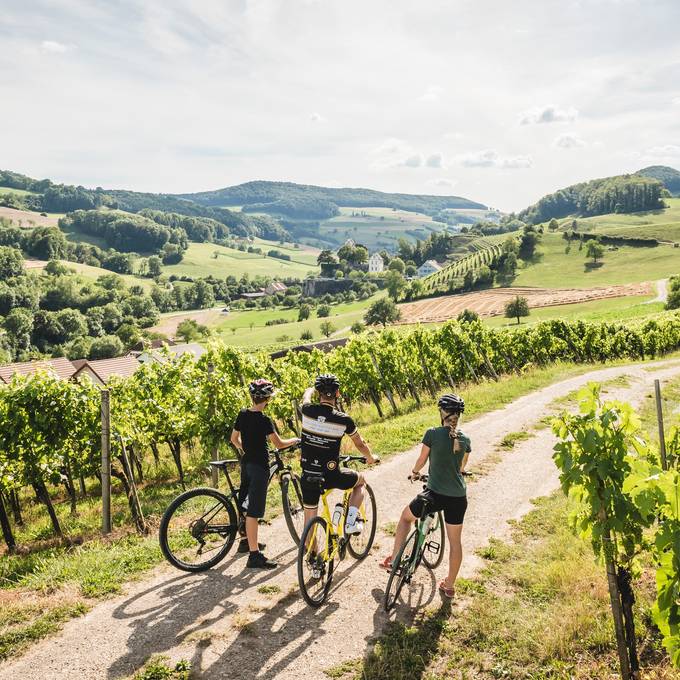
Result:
x=433 y=546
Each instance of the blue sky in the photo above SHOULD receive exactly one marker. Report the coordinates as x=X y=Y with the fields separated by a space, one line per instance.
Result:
x=497 y=101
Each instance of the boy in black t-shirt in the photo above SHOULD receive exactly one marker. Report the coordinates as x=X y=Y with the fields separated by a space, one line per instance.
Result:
x=252 y=430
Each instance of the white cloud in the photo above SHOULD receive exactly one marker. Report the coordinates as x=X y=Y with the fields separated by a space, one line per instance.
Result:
x=548 y=114
x=432 y=94
x=435 y=160
x=664 y=151
x=454 y=136
x=675 y=101
x=490 y=158
x=55 y=47
x=568 y=140
x=443 y=182
x=414 y=161
x=316 y=117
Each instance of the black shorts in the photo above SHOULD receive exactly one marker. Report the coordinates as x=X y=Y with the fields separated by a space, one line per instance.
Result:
x=253 y=491
x=332 y=479
x=454 y=507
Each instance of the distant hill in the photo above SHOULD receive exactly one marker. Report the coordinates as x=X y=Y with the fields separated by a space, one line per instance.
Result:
x=618 y=194
x=669 y=176
x=306 y=201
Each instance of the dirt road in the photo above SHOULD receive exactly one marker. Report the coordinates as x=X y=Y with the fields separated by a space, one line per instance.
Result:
x=228 y=628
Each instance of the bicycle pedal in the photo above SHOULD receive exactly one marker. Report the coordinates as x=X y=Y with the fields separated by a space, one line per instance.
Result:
x=434 y=547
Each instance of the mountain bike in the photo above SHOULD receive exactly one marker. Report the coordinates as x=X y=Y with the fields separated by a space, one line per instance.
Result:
x=424 y=544
x=199 y=526
x=323 y=541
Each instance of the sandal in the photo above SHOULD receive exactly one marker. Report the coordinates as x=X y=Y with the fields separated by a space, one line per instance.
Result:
x=386 y=564
x=447 y=591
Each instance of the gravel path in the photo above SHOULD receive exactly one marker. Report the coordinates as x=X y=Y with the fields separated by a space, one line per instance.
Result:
x=228 y=629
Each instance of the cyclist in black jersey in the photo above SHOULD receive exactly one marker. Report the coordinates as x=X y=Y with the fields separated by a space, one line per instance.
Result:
x=323 y=427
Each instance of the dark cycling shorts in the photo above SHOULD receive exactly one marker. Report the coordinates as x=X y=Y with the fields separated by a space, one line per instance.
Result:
x=333 y=479
x=254 y=483
x=454 y=507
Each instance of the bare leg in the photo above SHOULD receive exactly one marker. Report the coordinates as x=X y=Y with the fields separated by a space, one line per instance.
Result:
x=251 y=533
x=405 y=523
x=453 y=532
x=311 y=513
x=357 y=496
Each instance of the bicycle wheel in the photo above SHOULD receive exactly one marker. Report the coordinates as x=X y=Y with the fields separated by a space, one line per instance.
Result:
x=291 y=494
x=403 y=566
x=315 y=562
x=433 y=550
x=198 y=529
x=359 y=545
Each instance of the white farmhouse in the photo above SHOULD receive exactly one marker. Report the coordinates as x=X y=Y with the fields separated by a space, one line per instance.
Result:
x=375 y=264
x=428 y=267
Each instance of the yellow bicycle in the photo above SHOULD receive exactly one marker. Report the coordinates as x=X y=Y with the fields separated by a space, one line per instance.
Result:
x=322 y=540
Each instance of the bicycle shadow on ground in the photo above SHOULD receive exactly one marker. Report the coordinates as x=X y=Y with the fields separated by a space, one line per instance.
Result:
x=274 y=638
x=165 y=615
x=410 y=637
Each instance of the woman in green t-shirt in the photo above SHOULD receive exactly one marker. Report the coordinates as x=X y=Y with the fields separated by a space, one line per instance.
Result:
x=447 y=450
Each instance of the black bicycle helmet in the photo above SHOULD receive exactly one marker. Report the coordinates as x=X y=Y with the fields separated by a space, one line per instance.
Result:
x=327 y=384
x=261 y=388
x=451 y=403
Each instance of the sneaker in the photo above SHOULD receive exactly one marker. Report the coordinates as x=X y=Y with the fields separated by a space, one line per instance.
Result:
x=355 y=528
x=243 y=546
x=259 y=561
x=315 y=565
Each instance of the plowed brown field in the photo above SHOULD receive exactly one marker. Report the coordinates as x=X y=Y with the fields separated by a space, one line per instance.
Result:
x=492 y=302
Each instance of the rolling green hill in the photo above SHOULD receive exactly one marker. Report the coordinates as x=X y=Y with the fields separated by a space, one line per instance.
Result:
x=669 y=176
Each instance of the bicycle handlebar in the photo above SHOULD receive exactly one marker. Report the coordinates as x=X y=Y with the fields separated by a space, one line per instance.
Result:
x=352 y=459
x=285 y=449
x=418 y=478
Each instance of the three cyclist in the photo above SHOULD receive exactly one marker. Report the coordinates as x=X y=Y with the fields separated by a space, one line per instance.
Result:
x=251 y=433
x=447 y=449
x=323 y=427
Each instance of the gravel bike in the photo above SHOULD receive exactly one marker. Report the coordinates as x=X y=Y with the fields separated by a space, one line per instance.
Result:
x=322 y=540
x=199 y=526
x=425 y=543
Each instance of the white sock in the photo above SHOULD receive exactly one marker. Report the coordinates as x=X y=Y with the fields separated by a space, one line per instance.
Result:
x=352 y=515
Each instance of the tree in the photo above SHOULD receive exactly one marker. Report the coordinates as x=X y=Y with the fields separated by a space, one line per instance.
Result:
x=154 y=266
x=395 y=284
x=594 y=249
x=304 y=312
x=326 y=257
x=357 y=327
x=306 y=335
x=528 y=243
x=323 y=311
x=327 y=328
x=553 y=225
x=382 y=312
x=106 y=347
x=190 y=330
x=516 y=308
x=11 y=263
x=397 y=264
x=467 y=316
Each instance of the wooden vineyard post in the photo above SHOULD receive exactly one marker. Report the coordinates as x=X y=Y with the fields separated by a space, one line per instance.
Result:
x=659 y=418
x=489 y=366
x=214 y=452
x=469 y=367
x=106 y=462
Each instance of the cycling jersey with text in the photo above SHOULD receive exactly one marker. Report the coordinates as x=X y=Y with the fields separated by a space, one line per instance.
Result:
x=322 y=430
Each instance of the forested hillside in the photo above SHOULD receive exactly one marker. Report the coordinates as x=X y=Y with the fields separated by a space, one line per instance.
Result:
x=619 y=194
x=314 y=202
x=669 y=176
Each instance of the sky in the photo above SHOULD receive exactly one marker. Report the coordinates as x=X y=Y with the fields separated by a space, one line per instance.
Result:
x=500 y=102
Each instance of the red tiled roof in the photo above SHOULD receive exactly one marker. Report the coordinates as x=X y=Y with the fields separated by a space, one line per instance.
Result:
x=105 y=368
x=61 y=367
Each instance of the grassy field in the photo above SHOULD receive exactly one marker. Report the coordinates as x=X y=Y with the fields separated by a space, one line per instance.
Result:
x=93 y=273
x=663 y=225
x=236 y=328
x=19 y=192
x=613 y=309
x=554 y=267
x=200 y=260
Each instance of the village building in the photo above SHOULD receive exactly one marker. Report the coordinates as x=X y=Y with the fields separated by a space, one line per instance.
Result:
x=428 y=267
x=376 y=264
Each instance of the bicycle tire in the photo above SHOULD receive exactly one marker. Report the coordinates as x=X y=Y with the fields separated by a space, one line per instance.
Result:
x=314 y=600
x=369 y=500
x=293 y=509
x=403 y=568
x=436 y=534
x=229 y=537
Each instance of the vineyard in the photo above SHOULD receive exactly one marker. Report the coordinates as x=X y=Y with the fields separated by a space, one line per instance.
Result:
x=488 y=250
x=50 y=430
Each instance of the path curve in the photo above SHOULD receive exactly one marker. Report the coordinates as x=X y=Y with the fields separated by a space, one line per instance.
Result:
x=228 y=629
x=662 y=291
